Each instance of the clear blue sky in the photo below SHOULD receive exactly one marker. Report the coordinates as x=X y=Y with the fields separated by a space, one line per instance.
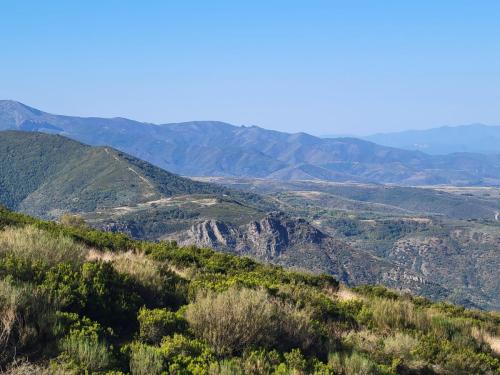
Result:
x=334 y=67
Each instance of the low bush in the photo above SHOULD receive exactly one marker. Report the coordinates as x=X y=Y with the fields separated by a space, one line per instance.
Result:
x=401 y=346
x=75 y=221
x=89 y=353
x=234 y=320
x=145 y=360
x=157 y=323
x=184 y=354
x=352 y=364
x=238 y=319
x=109 y=296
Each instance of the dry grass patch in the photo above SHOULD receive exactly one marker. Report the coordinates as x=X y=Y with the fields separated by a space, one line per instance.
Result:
x=34 y=245
x=484 y=336
x=393 y=314
x=185 y=273
x=26 y=368
x=140 y=268
x=27 y=317
x=238 y=319
x=137 y=265
x=400 y=345
x=345 y=294
x=364 y=340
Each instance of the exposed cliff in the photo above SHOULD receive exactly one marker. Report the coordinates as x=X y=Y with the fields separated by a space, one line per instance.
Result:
x=280 y=239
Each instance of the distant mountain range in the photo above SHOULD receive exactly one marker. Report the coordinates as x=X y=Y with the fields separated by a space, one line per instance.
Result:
x=220 y=149
x=47 y=175
x=475 y=138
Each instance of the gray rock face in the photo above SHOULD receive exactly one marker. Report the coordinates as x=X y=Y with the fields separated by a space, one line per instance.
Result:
x=213 y=234
x=282 y=240
x=268 y=239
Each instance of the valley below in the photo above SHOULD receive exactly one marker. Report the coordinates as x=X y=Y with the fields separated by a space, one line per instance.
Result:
x=441 y=241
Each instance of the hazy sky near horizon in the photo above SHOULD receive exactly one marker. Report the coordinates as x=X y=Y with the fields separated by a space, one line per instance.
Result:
x=323 y=67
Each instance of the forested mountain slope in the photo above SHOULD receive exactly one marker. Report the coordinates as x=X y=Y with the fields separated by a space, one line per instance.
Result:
x=47 y=175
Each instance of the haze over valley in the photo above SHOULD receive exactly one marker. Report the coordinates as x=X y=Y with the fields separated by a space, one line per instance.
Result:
x=250 y=187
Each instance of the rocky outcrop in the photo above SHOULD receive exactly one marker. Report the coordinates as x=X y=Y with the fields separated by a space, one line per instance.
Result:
x=269 y=238
x=272 y=236
x=280 y=239
x=212 y=233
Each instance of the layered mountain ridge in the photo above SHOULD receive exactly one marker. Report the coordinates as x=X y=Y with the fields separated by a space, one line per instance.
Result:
x=207 y=148
x=475 y=138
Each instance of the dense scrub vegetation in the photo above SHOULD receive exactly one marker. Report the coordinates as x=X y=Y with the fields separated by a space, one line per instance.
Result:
x=78 y=301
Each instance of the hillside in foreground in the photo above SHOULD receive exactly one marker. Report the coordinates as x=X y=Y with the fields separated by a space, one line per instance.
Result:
x=80 y=301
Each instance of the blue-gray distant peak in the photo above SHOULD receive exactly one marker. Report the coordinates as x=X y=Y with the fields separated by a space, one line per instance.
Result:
x=213 y=148
x=478 y=138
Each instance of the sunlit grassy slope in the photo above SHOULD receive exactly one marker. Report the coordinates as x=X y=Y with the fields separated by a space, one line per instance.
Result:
x=75 y=301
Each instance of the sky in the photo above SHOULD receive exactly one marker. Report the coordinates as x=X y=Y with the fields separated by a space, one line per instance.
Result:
x=322 y=67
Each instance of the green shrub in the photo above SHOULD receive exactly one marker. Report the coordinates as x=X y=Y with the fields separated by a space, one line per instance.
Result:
x=64 y=284
x=295 y=361
x=259 y=362
x=21 y=269
x=97 y=291
x=73 y=324
x=108 y=297
x=184 y=354
x=157 y=323
x=226 y=367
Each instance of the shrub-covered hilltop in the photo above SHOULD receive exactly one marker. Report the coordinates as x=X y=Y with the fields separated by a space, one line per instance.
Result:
x=79 y=301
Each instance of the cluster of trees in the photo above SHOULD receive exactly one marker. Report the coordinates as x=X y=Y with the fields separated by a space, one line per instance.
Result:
x=78 y=301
